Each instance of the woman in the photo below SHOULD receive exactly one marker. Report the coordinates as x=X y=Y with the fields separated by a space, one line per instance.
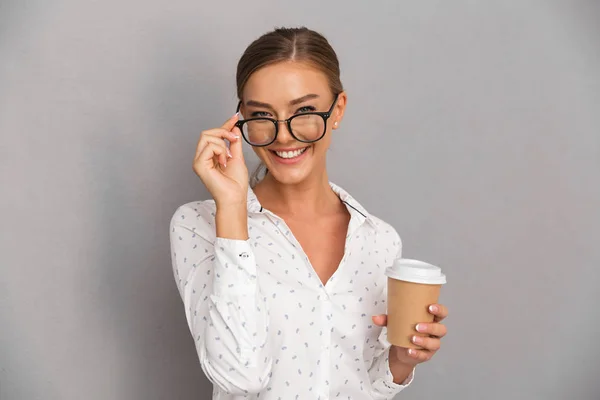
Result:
x=283 y=283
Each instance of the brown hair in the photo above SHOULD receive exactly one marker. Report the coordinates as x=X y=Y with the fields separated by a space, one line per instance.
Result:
x=288 y=44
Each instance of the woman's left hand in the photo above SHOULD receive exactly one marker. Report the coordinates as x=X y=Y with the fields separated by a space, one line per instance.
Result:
x=430 y=345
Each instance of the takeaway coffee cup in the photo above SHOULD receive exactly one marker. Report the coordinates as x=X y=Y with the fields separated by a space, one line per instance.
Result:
x=412 y=286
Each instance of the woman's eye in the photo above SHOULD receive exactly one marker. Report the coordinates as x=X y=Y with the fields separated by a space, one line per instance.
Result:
x=305 y=109
x=260 y=114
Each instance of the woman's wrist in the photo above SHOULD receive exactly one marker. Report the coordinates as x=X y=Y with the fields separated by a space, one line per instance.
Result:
x=400 y=371
x=232 y=221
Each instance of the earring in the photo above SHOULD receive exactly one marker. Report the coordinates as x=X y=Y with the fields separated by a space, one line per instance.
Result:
x=335 y=123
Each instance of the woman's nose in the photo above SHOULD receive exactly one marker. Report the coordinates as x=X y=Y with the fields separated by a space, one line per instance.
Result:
x=284 y=135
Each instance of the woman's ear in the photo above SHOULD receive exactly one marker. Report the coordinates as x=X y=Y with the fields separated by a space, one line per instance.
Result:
x=338 y=112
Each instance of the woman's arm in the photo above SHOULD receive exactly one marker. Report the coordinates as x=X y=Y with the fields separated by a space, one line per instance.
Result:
x=225 y=311
x=387 y=380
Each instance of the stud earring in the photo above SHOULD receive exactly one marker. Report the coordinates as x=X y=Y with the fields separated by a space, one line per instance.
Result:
x=335 y=123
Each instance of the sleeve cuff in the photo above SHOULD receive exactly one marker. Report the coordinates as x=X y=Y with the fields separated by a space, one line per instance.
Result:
x=409 y=379
x=235 y=268
x=388 y=372
x=389 y=379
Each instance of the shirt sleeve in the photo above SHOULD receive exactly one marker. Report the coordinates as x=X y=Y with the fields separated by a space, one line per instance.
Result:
x=225 y=310
x=382 y=380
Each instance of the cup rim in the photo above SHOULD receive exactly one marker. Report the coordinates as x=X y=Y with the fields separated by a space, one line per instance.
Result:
x=432 y=275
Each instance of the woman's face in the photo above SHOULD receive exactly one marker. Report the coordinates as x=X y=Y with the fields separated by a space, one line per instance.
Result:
x=280 y=91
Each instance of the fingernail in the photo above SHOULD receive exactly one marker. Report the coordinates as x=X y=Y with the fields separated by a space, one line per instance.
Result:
x=420 y=327
x=433 y=308
x=412 y=352
x=417 y=339
x=229 y=154
x=237 y=114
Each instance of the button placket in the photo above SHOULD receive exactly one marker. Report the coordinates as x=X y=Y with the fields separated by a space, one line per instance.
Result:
x=325 y=360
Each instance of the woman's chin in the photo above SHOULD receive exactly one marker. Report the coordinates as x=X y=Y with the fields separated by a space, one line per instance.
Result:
x=289 y=176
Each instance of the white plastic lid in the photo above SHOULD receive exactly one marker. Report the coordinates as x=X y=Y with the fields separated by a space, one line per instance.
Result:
x=416 y=271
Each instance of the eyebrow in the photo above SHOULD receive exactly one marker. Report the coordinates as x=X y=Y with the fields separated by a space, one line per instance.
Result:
x=310 y=96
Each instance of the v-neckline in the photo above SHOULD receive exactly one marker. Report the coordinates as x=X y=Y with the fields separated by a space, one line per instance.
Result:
x=286 y=231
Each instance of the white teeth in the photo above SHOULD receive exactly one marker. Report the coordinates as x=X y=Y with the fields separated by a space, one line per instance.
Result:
x=290 y=154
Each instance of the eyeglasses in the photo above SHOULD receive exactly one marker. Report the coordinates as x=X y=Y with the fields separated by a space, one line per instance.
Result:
x=307 y=127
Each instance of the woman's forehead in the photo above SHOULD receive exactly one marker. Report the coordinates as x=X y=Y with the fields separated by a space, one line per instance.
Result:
x=284 y=82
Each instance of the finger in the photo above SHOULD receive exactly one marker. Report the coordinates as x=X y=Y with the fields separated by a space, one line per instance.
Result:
x=379 y=320
x=428 y=343
x=419 y=355
x=215 y=140
x=236 y=146
x=207 y=156
x=216 y=133
x=433 y=329
x=438 y=311
x=230 y=123
x=219 y=134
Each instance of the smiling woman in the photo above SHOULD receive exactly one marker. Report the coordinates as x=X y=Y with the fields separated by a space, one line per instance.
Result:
x=301 y=100
x=283 y=282
x=289 y=45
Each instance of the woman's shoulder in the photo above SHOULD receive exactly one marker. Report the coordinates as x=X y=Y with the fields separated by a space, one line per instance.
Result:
x=379 y=225
x=386 y=230
x=382 y=229
x=195 y=215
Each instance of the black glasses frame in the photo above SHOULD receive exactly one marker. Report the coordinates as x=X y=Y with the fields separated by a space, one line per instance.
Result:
x=325 y=115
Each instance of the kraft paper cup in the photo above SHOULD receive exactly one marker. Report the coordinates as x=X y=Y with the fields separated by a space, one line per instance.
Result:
x=412 y=286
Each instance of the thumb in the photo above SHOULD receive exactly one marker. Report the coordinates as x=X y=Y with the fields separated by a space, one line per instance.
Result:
x=380 y=320
x=236 y=146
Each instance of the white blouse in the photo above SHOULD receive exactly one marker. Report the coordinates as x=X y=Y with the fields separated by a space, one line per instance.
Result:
x=264 y=325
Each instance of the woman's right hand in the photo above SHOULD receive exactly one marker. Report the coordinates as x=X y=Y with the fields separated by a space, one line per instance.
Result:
x=223 y=171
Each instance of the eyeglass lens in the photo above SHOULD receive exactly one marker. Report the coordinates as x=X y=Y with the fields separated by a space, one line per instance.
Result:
x=304 y=127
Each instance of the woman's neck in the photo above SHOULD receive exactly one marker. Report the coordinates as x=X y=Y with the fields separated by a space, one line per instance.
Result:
x=311 y=198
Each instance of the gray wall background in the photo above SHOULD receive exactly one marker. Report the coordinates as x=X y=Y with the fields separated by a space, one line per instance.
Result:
x=472 y=127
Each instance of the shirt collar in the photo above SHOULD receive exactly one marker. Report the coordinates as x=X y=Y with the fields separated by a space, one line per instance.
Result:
x=354 y=207
x=253 y=203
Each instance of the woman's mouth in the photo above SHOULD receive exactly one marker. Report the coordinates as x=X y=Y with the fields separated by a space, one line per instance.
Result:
x=289 y=156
